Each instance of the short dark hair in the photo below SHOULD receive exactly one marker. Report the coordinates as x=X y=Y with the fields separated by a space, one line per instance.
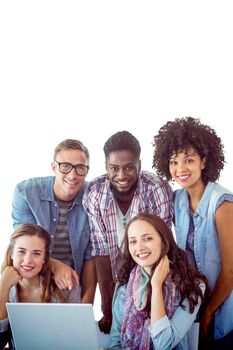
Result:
x=122 y=141
x=179 y=135
x=71 y=144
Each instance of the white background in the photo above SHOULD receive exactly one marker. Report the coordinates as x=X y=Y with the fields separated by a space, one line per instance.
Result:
x=87 y=69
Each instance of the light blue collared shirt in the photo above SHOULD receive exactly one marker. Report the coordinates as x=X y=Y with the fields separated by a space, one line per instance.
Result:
x=165 y=333
x=34 y=202
x=206 y=243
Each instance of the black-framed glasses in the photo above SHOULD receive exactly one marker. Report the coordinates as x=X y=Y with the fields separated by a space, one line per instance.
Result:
x=66 y=168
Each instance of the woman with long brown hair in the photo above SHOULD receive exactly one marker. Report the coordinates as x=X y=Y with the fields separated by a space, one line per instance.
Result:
x=159 y=293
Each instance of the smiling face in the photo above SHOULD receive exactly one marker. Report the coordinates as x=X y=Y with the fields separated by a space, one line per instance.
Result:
x=185 y=168
x=123 y=170
x=145 y=244
x=66 y=186
x=28 y=255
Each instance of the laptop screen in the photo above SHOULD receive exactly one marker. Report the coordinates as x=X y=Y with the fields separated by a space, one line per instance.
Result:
x=51 y=326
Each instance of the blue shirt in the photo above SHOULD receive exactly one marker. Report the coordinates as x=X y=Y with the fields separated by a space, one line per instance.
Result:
x=165 y=333
x=34 y=202
x=206 y=243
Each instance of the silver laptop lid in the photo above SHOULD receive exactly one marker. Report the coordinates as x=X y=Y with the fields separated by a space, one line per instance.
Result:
x=50 y=326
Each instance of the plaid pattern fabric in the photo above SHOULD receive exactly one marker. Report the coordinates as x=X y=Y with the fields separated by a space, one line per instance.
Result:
x=152 y=195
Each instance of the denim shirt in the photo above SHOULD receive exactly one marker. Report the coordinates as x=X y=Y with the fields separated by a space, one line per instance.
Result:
x=34 y=202
x=165 y=333
x=206 y=244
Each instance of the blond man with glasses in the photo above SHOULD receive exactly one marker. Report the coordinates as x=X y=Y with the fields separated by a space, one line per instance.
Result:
x=55 y=203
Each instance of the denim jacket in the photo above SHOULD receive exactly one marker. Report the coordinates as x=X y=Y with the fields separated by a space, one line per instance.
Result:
x=206 y=244
x=34 y=202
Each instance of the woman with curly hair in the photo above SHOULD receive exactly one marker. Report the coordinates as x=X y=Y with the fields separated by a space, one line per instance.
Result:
x=159 y=293
x=191 y=153
x=26 y=275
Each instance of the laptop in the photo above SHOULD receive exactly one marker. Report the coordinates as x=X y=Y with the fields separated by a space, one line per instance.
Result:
x=51 y=326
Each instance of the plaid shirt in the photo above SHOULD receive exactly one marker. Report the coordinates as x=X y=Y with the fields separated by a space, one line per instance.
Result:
x=152 y=195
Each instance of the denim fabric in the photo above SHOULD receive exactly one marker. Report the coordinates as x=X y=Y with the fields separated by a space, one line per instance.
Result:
x=225 y=343
x=206 y=244
x=34 y=202
x=165 y=333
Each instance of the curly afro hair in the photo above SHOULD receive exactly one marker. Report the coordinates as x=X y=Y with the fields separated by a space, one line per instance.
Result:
x=179 y=135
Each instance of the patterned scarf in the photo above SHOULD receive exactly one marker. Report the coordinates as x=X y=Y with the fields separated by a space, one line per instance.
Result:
x=134 y=332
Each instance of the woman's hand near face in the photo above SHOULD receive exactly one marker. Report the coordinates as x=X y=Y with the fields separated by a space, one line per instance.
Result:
x=9 y=278
x=157 y=301
x=160 y=273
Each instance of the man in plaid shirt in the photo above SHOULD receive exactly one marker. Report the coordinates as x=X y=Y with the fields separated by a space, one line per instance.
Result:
x=111 y=201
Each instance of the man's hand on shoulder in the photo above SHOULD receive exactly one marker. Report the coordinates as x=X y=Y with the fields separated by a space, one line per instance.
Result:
x=63 y=274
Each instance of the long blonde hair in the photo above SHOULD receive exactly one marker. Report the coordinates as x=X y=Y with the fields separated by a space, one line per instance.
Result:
x=48 y=285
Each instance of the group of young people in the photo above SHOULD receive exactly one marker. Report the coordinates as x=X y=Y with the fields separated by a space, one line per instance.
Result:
x=117 y=231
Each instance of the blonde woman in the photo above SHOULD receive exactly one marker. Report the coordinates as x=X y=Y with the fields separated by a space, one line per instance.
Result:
x=26 y=275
